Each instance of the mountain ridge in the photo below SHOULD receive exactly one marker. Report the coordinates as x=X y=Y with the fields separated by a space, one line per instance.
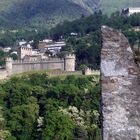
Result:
x=48 y=13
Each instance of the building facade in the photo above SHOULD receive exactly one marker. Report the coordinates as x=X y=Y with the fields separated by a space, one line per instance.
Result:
x=130 y=11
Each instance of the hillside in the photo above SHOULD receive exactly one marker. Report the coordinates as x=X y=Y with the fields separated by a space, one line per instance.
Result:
x=39 y=13
x=47 y=13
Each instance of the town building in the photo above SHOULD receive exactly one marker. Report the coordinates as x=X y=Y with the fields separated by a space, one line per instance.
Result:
x=53 y=47
x=130 y=11
x=7 y=49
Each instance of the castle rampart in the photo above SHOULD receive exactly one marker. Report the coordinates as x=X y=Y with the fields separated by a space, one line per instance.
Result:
x=21 y=66
x=120 y=88
x=24 y=66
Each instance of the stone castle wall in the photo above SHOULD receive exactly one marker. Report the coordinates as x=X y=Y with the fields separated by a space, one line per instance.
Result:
x=120 y=88
x=3 y=74
x=25 y=66
x=20 y=66
x=88 y=71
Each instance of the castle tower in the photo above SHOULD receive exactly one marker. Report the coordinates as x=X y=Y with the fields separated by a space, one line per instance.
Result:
x=9 y=61
x=69 y=62
x=23 y=51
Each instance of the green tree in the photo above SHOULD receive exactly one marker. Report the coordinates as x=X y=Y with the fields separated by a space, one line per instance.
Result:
x=57 y=125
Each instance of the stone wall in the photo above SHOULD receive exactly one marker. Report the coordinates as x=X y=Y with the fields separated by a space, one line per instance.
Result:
x=69 y=62
x=3 y=74
x=20 y=66
x=120 y=88
x=88 y=71
x=25 y=66
x=23 y=51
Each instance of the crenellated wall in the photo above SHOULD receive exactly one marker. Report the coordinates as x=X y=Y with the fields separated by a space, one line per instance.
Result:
x=25 y=66
x=23 y=51
x=21 y=66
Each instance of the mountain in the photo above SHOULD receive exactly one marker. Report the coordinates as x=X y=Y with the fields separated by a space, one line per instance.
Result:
x=47 y=13
x=42 y=12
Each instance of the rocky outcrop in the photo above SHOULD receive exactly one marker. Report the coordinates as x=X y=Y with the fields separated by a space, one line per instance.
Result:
x=120 y=88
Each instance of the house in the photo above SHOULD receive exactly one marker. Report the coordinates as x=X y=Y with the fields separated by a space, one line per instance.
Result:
x=7 y=49
x=20 y=43
x=130 y=11
x=43 y=44
x=53 y=47
x=73 y=34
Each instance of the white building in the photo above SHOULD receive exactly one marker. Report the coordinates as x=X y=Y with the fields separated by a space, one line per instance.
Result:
x=14 y=52
x=20 y=43
x=7 y=49
x=47 y=40
x=130 y=11
x=56 y=47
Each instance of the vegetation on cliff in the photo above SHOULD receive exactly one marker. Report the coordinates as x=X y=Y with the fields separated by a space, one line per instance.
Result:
x=38 y=107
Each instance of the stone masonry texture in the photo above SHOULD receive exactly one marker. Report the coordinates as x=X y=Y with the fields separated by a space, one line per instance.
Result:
x=120 y=88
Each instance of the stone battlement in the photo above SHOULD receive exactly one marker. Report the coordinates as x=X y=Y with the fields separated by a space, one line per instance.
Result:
x=26 y=48
x=21 y=66
x=8 y=59
x=89 y=71
x=42 y=60
x=70 y=56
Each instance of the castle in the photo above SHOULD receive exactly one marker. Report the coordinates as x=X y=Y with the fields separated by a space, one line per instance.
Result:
x=27 y=62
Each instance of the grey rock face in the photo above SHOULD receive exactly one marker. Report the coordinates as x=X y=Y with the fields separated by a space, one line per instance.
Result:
x=120 y=88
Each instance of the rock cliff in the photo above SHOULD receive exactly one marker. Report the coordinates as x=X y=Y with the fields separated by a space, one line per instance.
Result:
x=120 y=88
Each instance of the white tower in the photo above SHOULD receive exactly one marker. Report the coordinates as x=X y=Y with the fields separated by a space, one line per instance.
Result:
x=9 y=61
x=69 y=63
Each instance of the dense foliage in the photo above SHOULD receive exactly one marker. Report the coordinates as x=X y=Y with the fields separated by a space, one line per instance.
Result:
x=40 y=108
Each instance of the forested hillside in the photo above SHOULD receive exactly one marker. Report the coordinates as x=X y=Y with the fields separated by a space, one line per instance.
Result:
x=38 y=13
x=36 y=107
x=47 y=13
